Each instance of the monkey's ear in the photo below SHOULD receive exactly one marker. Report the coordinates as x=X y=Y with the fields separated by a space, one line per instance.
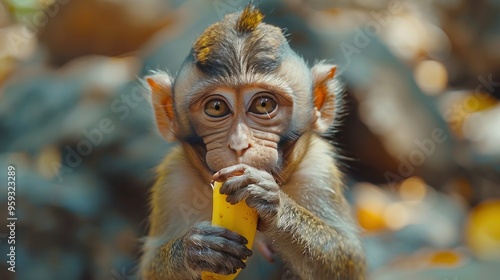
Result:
x=324 y=96
x=161 y=98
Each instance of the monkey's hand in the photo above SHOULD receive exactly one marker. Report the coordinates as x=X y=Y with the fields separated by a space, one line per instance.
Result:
x=215 y=249
x=257 y=187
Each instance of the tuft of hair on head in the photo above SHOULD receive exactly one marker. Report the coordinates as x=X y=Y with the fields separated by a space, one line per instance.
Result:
x=204 y=45
x=249 y=19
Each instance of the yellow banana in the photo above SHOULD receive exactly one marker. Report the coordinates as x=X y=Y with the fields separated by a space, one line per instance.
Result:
x=239 y=218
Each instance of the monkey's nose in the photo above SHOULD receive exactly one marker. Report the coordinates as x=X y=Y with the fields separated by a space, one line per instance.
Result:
x=240 y=151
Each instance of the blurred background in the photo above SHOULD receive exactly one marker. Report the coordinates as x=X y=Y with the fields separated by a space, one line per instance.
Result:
x=419 y=143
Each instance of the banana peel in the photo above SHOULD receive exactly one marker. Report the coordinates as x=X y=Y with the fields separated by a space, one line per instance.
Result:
x=239 y=218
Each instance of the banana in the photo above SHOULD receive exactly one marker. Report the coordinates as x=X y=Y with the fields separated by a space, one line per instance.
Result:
x=239 y=218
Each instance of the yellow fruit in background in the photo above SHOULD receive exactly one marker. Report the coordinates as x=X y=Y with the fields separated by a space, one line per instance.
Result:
x=483 y=230
x=445 y=258
x=239 y=218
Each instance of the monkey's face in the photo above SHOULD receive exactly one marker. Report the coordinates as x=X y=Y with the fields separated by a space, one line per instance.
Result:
x=243 y=96
x=241 y=125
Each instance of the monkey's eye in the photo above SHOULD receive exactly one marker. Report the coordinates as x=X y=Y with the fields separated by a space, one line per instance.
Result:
x=262 y=105
x=216 y=108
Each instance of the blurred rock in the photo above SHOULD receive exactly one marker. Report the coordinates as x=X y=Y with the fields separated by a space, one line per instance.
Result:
x=83 y=27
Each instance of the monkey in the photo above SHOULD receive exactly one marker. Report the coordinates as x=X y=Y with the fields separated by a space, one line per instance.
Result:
x=248 y=111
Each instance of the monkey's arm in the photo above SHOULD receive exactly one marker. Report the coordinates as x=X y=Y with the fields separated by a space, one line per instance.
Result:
x=166 y=261
x=314 y=231
x=164 y=253
x=319 y=242
x=314 y=249
x=307 y=218
x=203 y=247
x=179 y=244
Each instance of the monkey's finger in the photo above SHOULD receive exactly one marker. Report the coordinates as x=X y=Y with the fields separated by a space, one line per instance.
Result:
x=267 y=213
x=234 y=184
x=263 y=189
x=237 y=196
x=231 y=171
x=261 y=205
x=219 y=244
x=206 y=229
x=265 y=193
x=213 y=261
x=256 y=193
x=229 y=247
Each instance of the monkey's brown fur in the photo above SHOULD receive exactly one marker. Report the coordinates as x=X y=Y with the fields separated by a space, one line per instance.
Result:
x=238 y=44
x=277 y=162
